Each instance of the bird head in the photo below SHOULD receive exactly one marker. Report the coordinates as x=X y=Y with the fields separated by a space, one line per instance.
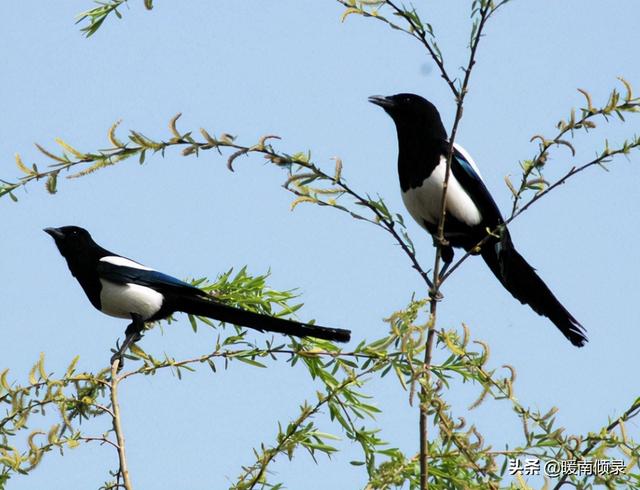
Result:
x=412 y=113
x=71 y=240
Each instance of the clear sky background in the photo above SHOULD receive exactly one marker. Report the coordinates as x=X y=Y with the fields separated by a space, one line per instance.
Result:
x=289 y=67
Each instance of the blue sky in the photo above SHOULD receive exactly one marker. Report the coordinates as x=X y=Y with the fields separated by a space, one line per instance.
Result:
x=291 y=68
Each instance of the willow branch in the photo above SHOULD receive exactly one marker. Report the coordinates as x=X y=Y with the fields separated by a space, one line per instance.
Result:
x=271 y=454
x=485 y=13
x=117 y=426
x=231 y=354
x=142 y=145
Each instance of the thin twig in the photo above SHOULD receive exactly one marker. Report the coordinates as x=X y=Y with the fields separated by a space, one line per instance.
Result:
x=117 y=425
x=272 y=453
x=230 y=354
x=389 y=226
x=104 y=409
x=101 y=440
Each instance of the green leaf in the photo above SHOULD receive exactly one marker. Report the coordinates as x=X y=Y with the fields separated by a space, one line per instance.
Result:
x=251 y=362
x=192 y=321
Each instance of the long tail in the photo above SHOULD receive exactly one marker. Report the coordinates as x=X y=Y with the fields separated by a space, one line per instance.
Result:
x=521 y=280
x=201 y=306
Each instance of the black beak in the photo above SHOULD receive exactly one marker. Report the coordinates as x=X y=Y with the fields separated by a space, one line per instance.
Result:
x=382 y=101
x=55 y=233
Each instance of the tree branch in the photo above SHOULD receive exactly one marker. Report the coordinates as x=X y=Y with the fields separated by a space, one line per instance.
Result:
x=117 y=426
x=485 y=11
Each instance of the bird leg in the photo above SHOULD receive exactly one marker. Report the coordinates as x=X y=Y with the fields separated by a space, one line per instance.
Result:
x=133 y=333
x=446 y=252
x=443 y=242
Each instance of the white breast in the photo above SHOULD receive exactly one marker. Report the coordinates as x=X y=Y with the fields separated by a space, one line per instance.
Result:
x=120 y=300
x=423 y=203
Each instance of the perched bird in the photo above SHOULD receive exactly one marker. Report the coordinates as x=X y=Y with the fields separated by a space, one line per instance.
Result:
x=122 y=288
x=423 y=147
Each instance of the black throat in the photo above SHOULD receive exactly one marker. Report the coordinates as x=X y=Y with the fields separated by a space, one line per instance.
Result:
x=83 y=267
x=418 y=155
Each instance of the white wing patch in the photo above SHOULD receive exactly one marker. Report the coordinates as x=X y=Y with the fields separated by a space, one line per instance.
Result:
x=120 y=300
x=423 y=203
x=116 y=260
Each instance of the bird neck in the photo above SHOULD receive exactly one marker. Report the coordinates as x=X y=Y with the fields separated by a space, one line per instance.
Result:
x=418 y=156
x=85 y=258
x=83 y=267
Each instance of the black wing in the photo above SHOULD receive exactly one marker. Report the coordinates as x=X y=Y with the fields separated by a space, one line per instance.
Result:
x=472 y=183
x=155 y=280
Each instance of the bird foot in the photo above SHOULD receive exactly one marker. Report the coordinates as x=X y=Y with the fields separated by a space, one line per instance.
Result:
x=443 y=242
x=120 y=359
x=117 y=356
x=133 y=334
x=435 y=295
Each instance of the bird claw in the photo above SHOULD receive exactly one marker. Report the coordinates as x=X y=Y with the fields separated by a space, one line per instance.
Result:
x=443 y=242
x=133 y=334
x=118 y=356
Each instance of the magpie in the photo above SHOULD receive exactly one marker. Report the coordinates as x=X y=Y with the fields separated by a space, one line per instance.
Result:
x=423 y=148
x=123 y=288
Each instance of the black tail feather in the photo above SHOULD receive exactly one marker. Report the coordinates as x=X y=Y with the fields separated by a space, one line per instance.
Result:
x=210 y=308
x=521 y=280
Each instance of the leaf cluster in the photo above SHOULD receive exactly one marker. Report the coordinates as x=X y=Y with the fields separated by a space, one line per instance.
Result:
x=426 y=360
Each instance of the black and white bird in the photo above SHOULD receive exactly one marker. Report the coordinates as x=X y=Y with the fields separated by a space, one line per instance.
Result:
x=423 y=147
x=122 y=288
